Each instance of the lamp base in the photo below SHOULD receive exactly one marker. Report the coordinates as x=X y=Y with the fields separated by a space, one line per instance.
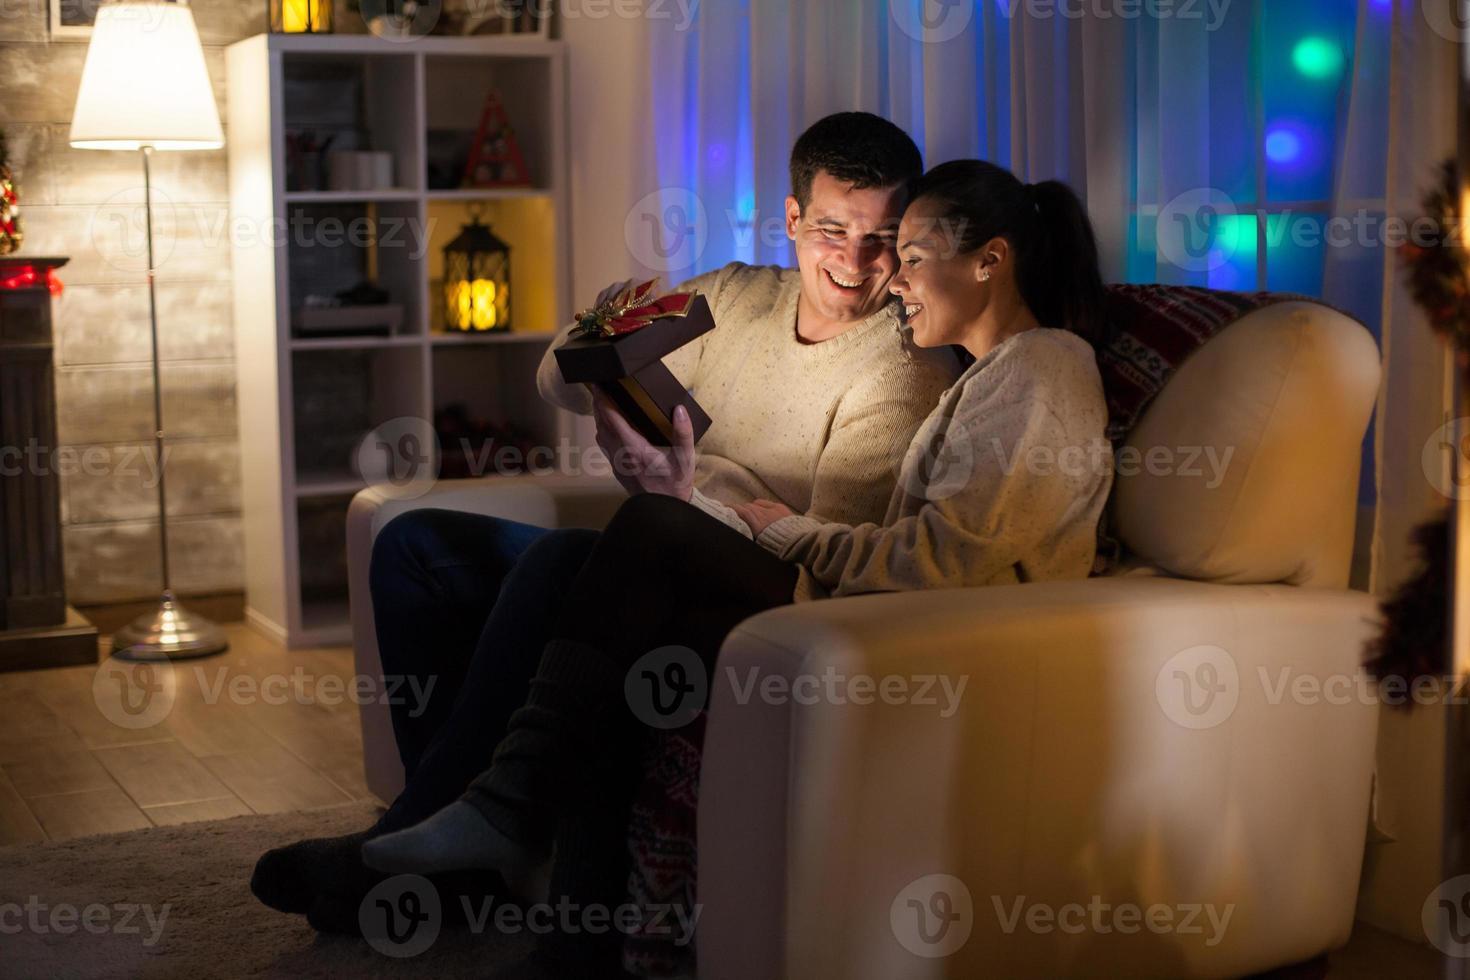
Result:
x=169 y=632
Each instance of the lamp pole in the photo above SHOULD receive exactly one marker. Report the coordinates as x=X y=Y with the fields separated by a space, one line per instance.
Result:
x=147 y=152
x=170 y=631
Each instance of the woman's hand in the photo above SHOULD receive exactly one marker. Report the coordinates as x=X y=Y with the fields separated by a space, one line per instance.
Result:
x=639 y=465
x=761 y=514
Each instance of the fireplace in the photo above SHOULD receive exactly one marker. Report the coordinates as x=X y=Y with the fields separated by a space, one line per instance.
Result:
x=37 y=627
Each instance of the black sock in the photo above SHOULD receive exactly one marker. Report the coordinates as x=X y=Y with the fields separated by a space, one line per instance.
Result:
x=289 y=878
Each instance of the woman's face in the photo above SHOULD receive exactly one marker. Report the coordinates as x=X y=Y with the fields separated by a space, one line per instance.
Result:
x=942 y=290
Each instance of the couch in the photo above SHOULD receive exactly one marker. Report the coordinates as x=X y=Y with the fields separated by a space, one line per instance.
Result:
x=1162 y=772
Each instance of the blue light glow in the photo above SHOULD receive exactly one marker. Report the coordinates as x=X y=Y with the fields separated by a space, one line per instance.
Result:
x=1283 y=145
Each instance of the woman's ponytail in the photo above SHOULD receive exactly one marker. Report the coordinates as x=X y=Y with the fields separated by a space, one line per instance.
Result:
x=1060 y=279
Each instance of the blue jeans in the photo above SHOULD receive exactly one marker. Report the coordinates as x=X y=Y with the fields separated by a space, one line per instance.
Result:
x=464 y=603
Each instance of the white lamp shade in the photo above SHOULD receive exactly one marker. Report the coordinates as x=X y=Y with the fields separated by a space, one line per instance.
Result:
x=144 y=82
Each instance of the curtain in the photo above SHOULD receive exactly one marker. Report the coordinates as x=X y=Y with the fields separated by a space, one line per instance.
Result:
x=1400 y=124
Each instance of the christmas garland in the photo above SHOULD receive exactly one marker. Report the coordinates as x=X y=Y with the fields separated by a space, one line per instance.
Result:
x=10 y=232
x=1437 y=277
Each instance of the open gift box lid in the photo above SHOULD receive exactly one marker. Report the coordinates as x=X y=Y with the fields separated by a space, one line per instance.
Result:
x=650 y=331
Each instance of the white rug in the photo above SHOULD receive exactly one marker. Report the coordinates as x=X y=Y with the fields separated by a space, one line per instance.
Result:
x=175 y=902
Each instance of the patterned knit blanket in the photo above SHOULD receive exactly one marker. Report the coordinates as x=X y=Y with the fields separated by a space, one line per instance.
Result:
x=1153 y=329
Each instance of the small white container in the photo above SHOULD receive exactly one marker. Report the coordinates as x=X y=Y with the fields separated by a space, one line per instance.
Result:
x=359 y=170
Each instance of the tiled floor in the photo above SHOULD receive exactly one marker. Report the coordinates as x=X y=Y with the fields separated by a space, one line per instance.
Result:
x=78 y=757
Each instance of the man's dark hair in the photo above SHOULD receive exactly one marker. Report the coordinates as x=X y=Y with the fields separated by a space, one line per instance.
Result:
x=858 y=148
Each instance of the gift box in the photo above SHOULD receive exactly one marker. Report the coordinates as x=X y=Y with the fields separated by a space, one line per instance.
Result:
x=618 y=345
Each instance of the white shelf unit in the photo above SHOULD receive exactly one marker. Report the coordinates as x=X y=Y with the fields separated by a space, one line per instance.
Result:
x=298 y=425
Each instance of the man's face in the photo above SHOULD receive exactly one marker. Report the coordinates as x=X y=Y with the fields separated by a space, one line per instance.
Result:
x=845 y=246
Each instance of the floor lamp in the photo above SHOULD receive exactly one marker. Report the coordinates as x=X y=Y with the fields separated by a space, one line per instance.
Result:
x=145 y=88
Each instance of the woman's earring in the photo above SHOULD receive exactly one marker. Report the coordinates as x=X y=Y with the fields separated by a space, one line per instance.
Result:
x=984 y=275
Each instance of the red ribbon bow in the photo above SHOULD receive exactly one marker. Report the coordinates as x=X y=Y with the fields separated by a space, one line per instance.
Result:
x=632 y=309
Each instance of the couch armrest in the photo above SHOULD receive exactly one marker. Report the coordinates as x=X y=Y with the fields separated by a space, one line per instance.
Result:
x=1070 y=767
x=552 y=500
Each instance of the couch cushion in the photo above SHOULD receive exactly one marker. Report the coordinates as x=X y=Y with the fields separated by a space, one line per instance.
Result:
x=1244 y=469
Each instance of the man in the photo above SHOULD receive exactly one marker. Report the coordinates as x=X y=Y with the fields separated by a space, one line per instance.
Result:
x=814 y=390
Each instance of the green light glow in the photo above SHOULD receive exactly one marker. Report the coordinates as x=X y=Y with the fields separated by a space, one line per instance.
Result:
x=1317 y=57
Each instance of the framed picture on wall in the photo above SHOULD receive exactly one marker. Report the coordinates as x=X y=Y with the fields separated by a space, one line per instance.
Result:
x=71 y=20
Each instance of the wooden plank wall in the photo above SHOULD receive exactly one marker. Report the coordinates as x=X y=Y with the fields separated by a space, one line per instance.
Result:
x=88 y=205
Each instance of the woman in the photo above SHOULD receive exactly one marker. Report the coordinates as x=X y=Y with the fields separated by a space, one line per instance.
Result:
x=1003 y=484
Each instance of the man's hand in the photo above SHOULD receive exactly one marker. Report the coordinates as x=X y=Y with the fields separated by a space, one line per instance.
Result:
x=611 y=291
x=761 y=514
x=640 y=466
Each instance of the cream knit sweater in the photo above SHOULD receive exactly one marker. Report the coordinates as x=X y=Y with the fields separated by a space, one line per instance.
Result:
x=1004 y=483
x=819 y=427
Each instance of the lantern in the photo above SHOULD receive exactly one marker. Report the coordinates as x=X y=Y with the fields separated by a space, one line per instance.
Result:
x=476 y=280
x=301 y=16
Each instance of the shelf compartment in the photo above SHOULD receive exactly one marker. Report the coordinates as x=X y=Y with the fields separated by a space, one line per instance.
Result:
x=340 y=397
x=528 y=226
x=334 y=247
x=482 y=390
x=363 y=102
x=321 y=536
x=455 y=91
